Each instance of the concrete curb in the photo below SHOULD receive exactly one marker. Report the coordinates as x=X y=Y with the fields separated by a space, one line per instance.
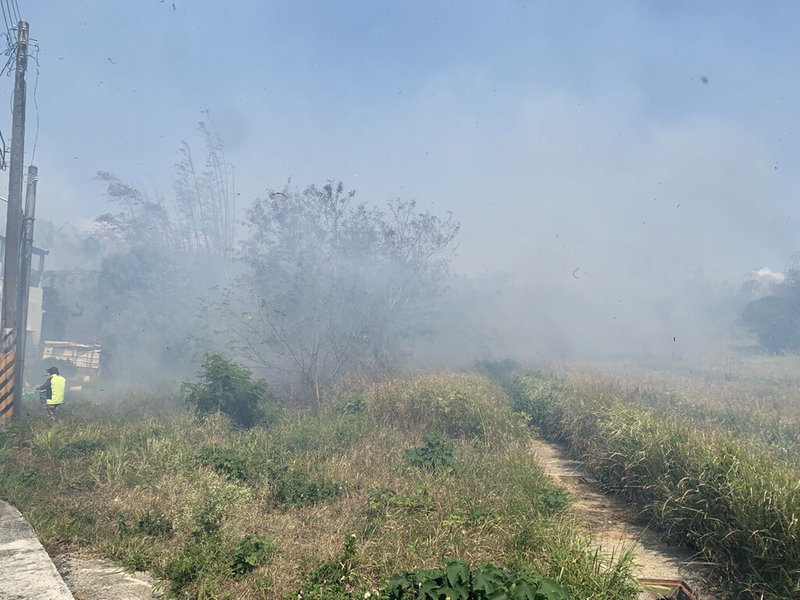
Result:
x=26 y=570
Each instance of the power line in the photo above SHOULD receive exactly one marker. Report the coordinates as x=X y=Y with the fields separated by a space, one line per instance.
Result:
x=2 y=154
x=35 y=57
x=5 y=19
x=7 y=8
x=17 y=15
x=11 y=52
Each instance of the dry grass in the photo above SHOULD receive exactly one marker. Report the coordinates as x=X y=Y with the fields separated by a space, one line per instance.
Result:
x=139 y=492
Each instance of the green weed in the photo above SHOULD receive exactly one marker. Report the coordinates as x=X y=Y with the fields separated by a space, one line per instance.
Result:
x=251 y=552
x=458 y=582
x=294 y=488
x=436 y=455
x=226 y=461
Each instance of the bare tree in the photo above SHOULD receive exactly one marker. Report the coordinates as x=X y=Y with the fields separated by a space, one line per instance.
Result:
x=206 y=199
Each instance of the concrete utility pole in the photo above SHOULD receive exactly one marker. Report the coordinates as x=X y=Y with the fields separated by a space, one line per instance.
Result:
x=9 y=327
x=25 y=282
x=11 y=263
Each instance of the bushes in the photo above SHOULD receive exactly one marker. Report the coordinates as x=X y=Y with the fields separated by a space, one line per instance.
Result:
x=293 y=488
x=738 y=508
x=228 y=388
x=225 y=461
x=435 y=455
x=207 y=561
x=457 y=581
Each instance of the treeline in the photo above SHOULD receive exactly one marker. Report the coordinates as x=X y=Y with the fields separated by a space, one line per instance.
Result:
x=775 y=318
x=307 y=284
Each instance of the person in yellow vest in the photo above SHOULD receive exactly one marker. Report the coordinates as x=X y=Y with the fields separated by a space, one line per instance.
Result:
x=53 y=390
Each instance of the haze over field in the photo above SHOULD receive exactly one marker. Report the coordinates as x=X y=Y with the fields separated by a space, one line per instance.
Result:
x=617 y=169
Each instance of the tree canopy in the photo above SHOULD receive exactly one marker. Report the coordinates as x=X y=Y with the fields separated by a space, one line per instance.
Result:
x=334 y=284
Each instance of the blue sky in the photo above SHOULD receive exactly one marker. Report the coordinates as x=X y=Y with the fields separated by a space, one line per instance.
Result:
x=562 y=135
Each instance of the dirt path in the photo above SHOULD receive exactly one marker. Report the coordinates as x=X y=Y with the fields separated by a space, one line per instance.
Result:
x=614 y=526
x=99 y=579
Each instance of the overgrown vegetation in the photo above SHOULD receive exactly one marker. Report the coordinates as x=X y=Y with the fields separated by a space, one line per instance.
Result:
x=458 y=581
x=334 y=285
x=228 y=388
x=218 y=511
x=735 y=505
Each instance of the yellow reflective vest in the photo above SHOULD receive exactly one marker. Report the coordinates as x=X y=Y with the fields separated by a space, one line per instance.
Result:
x=57 y=385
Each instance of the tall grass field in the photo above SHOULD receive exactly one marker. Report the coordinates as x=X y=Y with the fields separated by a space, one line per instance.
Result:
x=419 y=488
x=719 y=479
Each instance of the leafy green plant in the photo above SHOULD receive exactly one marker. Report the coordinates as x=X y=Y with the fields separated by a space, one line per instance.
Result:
x=226 y=461
x=251 y=552
x=296 y=487
x=552 y=498
x=228 y=388
x=458 y=582
x=198 y=560
x=352 y=405
x=435 y=455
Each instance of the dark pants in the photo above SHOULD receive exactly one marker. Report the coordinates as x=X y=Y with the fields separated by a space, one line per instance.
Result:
x=51 y=410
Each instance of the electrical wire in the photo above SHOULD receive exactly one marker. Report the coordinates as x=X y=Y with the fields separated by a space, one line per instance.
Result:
x=35 y=57
x=5 y=17
x=17 y=14
x=2 y=153
x=7 y=8
x=10 y=50
x=10 y=53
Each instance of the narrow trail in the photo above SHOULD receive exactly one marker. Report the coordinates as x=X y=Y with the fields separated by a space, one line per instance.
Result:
x=614 y=526
x=101 y=579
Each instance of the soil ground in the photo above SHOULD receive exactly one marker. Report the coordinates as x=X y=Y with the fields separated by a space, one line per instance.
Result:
x=99 y=579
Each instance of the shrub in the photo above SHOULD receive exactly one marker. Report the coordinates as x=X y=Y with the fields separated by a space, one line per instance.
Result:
x=227 y=462
x=458 y=581
x=228 y=388
x=197 y=560
x=251 y=552
x=387 y=498
x=435 y=455
x=352 y=405
x=296 y=487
